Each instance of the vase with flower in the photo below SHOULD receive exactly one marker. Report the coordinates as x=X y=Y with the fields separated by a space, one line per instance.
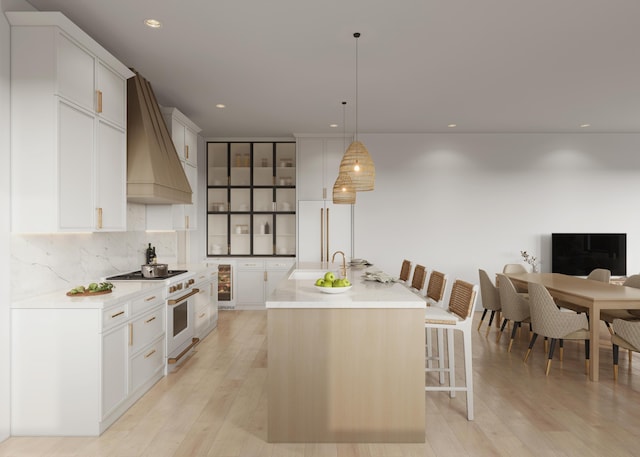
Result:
x=531 y=260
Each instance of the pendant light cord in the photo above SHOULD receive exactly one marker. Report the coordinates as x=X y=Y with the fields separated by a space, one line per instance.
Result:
x=356 y=36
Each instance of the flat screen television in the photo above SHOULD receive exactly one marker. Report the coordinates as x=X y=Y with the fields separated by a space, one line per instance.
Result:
x=578 y=254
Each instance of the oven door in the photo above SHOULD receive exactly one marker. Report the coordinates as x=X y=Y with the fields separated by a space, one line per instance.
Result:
x=181 y=325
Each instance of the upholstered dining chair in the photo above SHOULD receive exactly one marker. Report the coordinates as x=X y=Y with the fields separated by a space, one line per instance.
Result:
x=549 y=321
x=514 y=268
x=435 y=297
x=626 y=334
x=419 y=278
x=609 y=315
x=456 y=317
x=405 y=271
x=490 y=299
x=515 y=307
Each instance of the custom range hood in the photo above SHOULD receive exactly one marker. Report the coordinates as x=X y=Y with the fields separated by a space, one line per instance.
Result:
x=154 y=172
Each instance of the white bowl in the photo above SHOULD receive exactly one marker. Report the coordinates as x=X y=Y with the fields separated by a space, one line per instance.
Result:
x=332 y=290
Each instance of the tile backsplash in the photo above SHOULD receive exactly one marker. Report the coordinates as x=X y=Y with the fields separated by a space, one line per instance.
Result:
x=49 y=262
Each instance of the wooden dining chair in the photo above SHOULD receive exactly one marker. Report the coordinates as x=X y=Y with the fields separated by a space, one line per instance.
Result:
x=515 y=307
x=490 y=299
x=456 y=317
x=435 y=297
x=551 y=322
x=419 y=278
x=405 y=271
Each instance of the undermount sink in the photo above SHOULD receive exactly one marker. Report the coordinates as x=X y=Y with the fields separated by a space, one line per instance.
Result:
x=309 y=274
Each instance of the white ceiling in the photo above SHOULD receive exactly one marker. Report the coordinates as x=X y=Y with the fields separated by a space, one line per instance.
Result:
x=285 y=66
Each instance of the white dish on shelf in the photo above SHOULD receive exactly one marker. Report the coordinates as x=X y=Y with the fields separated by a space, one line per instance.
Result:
x=332 y=290
x=358 y=261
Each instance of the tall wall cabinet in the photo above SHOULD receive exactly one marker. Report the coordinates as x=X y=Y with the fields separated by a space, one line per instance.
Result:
x=68 y=129
x=251 y=199
x=323 y=227
x=184 y=134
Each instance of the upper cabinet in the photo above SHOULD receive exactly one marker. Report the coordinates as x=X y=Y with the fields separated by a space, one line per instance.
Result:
x=184 y=134
x=251 y=198
x=68 y=129
x=318 y=165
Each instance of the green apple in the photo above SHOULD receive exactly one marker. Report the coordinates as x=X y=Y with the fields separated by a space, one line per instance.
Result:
x=347 y=283
x=338 y=283
x=329 y=276
x=320 y=282
x=328 y=284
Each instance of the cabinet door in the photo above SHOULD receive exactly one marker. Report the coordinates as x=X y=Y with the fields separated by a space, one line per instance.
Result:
x=191 y=147
x=111 y=93
x=250 y=286
x=76 y=141
x=75 y=71
x=111 y=178
x=115 y=376
x=185 y=216
x=320 y=236
x=318 y=166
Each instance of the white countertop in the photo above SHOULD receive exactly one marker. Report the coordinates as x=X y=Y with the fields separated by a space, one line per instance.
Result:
x=121 y=292
x=301 y=293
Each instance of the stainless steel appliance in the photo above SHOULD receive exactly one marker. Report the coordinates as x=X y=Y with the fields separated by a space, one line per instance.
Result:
x=179 y=295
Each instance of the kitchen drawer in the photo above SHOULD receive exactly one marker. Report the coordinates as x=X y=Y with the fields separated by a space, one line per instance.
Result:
x=115 y=315
x=145 y=329
x=250 y=265
x=202 y=320
x=152 y=298
x=147 y=363
x=279 y=264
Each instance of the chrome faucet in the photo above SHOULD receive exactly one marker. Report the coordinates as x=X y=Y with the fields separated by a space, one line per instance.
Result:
x=343 y=269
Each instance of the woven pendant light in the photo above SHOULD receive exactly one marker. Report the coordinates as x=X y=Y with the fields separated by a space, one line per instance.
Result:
x=356 y=160
x=343 y=191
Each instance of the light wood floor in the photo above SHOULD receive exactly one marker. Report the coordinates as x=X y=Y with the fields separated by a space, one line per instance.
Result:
x=215 y=405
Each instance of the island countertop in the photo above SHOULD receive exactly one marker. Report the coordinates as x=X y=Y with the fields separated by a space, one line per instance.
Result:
x=301 y=293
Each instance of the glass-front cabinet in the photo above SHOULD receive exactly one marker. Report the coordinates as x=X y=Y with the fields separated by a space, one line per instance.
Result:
x=251 y=198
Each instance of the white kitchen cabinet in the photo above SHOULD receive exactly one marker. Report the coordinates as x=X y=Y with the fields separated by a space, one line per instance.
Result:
x=68 y=132
x=80 y=363
x=184 y=134
x=323 y=229
x=318 y=160
x=206 y=301
x=256 y=279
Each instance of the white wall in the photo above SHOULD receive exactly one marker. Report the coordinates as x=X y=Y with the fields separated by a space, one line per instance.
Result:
x=461 y=202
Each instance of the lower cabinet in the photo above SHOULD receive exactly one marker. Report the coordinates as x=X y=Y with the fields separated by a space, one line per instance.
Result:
x=206 y=301
x=77 y=367
x=256 y=279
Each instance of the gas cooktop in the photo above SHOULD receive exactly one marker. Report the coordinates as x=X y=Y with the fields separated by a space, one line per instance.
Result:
x=137 y=276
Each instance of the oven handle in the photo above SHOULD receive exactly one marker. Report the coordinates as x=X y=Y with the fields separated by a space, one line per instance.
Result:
x=175 y=301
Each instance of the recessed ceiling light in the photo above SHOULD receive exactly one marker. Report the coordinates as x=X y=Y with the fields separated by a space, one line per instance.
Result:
x=584 y=126
x=333 y=126
x=452 y=125
x=220 y=105
x=153 y=23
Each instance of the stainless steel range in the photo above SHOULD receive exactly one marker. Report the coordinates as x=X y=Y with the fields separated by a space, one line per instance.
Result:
x=178 y=293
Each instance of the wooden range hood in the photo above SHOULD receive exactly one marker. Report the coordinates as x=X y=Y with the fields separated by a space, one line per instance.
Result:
x=154 y=171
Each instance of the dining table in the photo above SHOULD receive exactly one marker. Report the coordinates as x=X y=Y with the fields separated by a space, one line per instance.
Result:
x=593 y=296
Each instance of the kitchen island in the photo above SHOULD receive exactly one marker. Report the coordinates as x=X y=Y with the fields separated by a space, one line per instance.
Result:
x=345 y=367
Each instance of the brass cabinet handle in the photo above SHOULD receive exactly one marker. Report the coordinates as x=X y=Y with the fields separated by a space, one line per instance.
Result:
x=186 y=151
x=117 y=314
x=321 y=234
x=99 y=218
x=201 y=315
x=130 y=334
x=327 y=244
x=153 y=351
x=99 y=101
x=153 y=297
x=265 y=276
x=150 y=320
x=186 y=222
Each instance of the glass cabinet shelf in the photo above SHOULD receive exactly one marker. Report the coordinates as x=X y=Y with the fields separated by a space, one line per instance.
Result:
x=251 y=198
